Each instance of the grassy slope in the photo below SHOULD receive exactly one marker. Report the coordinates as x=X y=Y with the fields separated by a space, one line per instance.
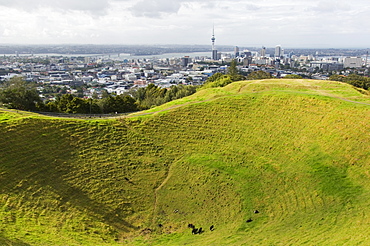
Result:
x=296 y=150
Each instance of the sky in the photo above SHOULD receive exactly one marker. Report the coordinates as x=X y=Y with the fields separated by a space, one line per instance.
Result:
x=245 y=23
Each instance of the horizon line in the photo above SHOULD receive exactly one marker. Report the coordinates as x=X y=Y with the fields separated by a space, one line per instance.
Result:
x=174 y=44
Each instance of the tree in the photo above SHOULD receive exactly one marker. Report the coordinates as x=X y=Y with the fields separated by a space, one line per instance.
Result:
x=149 y=96
x=293 y=76
x=51 y=107
x=63 y=101
x=95 y=95
x=18 y=94
x=214 y=77
x=93 y=106
x=259 y=75
x=108 y=104
x=153 y=95
x=128 y=104
x=233 y=72
x=119 y=104
x=104 y=94
x=77 y=106
x=221 y=82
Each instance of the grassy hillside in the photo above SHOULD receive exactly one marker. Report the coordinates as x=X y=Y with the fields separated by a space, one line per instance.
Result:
x=298 y=151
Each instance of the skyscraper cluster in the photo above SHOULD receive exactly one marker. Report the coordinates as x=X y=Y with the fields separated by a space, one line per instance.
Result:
x=279 y=52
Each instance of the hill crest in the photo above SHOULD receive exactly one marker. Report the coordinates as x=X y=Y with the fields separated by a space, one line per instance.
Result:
x=295 y=150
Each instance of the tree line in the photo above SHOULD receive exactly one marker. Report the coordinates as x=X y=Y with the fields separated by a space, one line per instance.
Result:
x=233 y=74
x=19 y=94
x=353 y=79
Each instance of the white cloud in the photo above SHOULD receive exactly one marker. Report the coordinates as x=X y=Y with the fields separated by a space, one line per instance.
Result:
x=155 y=8
x=93 y=7
x=240 y=22
x=332 y=6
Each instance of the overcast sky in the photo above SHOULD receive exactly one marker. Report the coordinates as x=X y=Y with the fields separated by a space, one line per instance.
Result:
x=251 y=23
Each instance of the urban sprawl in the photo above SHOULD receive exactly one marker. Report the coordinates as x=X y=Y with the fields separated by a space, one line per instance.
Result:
x=90 y=75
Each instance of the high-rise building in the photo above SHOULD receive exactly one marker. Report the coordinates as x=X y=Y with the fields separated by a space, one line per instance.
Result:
x=214 y=55
x=263 y=51
x=278 y=51
x=214 y=51
x=185 y=61
x=236 y=51
x=246 y=53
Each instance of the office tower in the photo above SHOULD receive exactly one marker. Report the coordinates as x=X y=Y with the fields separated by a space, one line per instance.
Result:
x=185 y=61
x=236 y=51
x=263 y=51
x=278 y=51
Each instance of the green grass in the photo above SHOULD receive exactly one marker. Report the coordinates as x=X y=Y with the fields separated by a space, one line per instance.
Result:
x=295 y=150
x=311 y=87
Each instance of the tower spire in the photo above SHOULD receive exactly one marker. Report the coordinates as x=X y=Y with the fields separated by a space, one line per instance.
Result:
x=213 y=38
x=214 y=51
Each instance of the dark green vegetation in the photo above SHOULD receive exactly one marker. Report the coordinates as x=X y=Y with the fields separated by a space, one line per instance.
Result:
x=136 y=99
x=154 y=96
x=353 y=79
x=298 y=151
x=221 y=80
x=259 y=75
x=70 y=104
x=19 y=94
x=293 y=76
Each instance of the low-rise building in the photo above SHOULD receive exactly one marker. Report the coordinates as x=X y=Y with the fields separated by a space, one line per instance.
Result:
x=353 y=62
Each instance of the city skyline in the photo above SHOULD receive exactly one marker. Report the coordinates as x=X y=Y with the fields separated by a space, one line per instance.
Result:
x=304 y=24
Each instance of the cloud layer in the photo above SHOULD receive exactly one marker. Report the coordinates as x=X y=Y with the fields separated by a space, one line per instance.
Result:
x=94 y=7
x=315 y=23
x=155 y=8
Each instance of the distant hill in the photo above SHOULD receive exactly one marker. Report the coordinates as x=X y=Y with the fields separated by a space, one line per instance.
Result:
x=270 y=162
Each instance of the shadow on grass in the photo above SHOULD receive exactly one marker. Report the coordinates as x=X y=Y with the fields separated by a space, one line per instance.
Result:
x=12 y=242
x=28 y=167
x=83 y=202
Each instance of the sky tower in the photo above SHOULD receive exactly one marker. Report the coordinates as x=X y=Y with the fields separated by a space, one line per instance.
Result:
x=213 y=38
x=214 y=51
